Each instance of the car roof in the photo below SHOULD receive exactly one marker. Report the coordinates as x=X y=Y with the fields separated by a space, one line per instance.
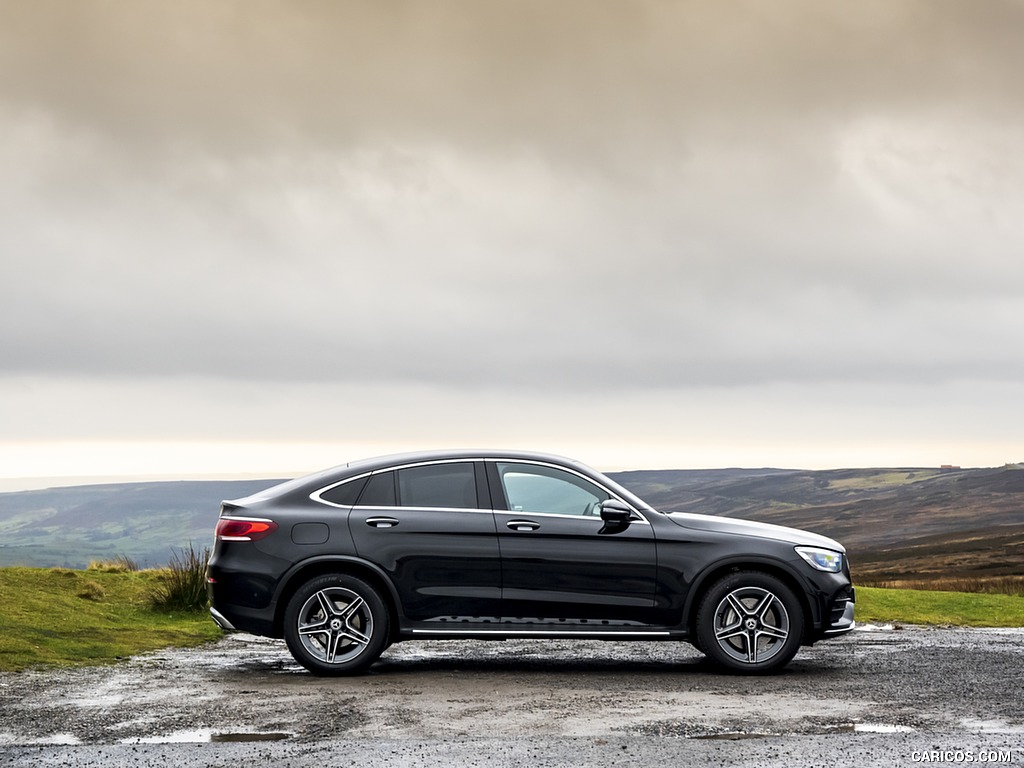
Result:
x=308 y=483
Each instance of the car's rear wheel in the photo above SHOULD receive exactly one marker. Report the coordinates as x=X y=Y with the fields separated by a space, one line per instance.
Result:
x=750 y=622
x=336 y=624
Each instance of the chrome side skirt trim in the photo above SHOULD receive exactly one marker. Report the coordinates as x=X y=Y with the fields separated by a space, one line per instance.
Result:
x=526 y=632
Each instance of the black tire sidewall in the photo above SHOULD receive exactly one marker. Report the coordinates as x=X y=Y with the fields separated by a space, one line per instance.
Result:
x=705 y=634
x=378 y=639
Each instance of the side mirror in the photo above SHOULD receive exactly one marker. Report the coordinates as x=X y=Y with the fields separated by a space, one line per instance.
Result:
x=615 y=513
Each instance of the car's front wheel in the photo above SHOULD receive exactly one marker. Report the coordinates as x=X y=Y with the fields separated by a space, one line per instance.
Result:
x=336 y=624
x=750 y=622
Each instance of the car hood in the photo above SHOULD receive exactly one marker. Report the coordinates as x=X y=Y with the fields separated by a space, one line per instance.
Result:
x=750 y=528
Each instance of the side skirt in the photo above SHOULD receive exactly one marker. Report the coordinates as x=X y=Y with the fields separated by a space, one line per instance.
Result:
x=501 y=630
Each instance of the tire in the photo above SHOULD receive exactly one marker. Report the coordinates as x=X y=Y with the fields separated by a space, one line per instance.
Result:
x=336 y=625
x=750 y=622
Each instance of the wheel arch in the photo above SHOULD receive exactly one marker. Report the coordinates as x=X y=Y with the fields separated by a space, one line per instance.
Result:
x=302 y=572
x=707 y=578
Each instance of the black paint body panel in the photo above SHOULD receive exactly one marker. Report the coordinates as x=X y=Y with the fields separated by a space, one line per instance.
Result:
x=466 y=572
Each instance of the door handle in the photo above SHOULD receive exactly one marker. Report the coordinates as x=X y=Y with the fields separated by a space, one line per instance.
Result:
x=381 y=522
x=522 y=525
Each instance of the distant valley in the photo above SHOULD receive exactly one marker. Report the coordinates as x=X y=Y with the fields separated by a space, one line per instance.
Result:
x=71 y=526
x=896 y=523
x=908 y=523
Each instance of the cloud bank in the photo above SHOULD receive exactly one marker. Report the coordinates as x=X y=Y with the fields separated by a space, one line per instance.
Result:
x=643 y=202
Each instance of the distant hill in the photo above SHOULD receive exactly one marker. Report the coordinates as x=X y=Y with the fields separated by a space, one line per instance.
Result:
x=896 y=523
x=904 y=522
x=71 y=526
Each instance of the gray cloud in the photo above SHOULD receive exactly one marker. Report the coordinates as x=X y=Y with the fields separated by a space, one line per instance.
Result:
x=244 y=75
x=568 y=197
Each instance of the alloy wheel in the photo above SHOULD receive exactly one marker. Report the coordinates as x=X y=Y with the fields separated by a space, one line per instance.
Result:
x=751 y=624
x=335 y=625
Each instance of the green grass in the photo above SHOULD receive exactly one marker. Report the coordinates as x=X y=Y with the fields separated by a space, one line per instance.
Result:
x=60 y=617
x=184 y=588
x=991 y=585
x=909 y=606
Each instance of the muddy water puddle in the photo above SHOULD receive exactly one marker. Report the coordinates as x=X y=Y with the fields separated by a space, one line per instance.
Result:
x=207 y=736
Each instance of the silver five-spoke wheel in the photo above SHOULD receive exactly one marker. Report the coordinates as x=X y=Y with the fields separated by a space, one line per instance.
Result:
x=336 y=624
x=750 y=622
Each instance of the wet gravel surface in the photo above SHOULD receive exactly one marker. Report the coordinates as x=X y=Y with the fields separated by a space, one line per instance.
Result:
x=878 y=696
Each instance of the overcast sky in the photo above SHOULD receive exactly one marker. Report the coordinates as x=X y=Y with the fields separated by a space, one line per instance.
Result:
x=275 y=236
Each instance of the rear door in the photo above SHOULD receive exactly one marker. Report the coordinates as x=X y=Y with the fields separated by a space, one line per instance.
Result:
x=430 y=527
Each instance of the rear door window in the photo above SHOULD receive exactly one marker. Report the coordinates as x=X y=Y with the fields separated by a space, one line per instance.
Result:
x=379 y=491
x=450 y=485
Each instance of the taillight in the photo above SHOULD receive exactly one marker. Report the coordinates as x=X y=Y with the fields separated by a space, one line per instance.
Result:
x=244 y=529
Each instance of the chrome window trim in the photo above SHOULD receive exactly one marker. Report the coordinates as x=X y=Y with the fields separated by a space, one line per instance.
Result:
x=580 y=475
x=475 y=510
x=595 y=518
x=317 y=495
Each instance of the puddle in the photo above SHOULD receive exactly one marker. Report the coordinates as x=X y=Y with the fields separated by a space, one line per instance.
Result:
x=838 y=728
x=733 y=736
x=880 y=728
x=237 y=737
x=206 y=736
x=999 y=630
x=60 y=739
x=990 y=726
x=111 y=700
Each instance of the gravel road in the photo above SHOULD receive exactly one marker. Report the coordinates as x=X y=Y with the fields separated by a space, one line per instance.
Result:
x=879 y=696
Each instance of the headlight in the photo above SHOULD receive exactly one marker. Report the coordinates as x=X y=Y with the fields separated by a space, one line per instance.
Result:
x=822 y=559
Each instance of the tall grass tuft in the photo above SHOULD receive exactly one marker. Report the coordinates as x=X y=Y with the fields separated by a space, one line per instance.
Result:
x=120 y=564
x=183 y=586
x=92 y=590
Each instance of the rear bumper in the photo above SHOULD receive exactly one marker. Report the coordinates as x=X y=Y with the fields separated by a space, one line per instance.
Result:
x=221 y=621
x=238 y=619
x=240 y=599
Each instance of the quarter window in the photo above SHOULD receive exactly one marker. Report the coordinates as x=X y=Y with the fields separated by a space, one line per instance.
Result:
x=532 y=488
x=346 y=494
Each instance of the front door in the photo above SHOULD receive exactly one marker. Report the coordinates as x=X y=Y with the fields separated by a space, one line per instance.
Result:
x=559 y=562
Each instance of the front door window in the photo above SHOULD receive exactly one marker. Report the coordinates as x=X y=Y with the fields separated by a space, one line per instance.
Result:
x=537 y=489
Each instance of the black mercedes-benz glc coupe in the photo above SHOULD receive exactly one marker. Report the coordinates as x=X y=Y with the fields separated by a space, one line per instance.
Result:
x=502 y=544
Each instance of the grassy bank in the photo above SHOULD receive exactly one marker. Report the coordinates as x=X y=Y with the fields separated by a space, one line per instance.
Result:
x=990 y=585
x=909 y=606
x=60 y=617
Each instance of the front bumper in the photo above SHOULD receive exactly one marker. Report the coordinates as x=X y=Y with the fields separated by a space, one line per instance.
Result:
x=840 y=613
